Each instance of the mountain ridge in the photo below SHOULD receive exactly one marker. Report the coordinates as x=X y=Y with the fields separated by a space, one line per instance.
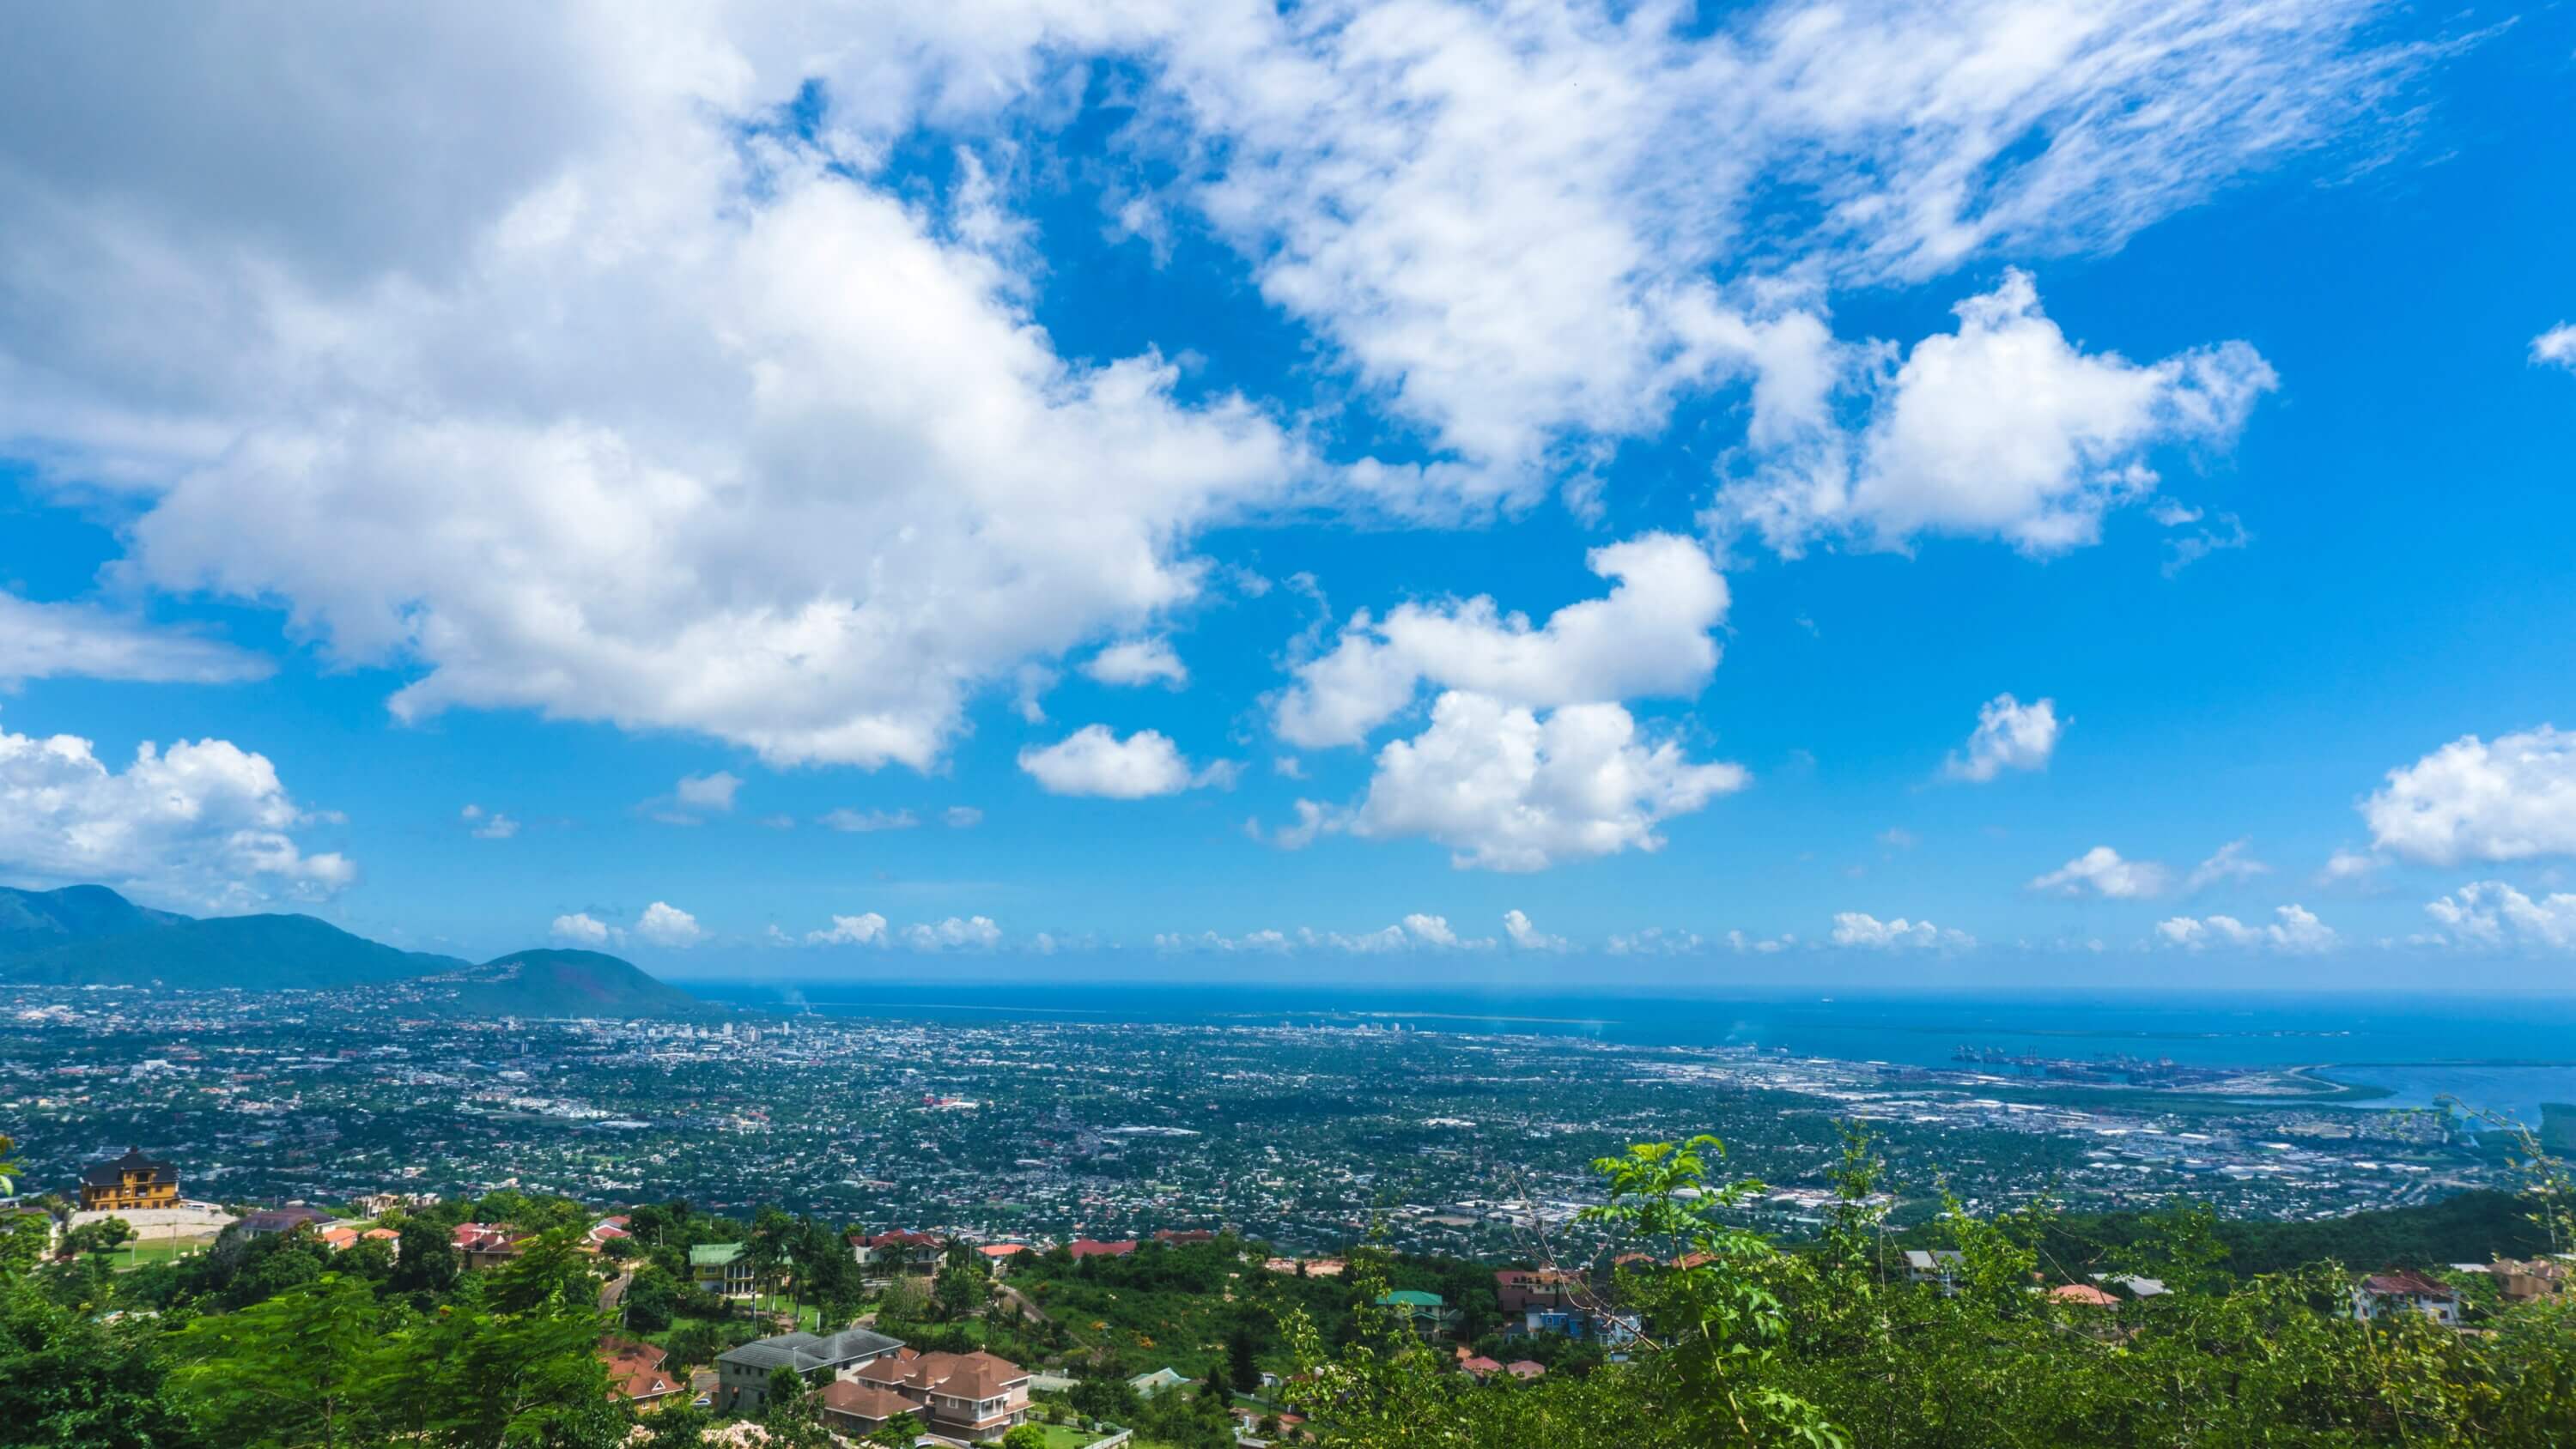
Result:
x=89 y=935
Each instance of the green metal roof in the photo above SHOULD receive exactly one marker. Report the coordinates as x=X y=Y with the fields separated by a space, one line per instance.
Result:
x=714 y=1255
x=1409 y=1298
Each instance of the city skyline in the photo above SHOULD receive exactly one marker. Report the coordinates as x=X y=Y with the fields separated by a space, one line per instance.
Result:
x=1919 y=497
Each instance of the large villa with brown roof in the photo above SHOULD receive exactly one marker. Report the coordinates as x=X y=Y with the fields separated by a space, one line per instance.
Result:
x=959 y=1395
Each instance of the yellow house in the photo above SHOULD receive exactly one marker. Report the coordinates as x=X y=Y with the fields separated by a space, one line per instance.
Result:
x=130 y=1182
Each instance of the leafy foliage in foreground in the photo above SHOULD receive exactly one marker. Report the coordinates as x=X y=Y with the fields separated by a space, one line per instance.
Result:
x=278 y=1342
x=1749 y=1344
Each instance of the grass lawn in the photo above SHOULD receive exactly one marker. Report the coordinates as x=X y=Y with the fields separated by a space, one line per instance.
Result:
x=808 y=1317
x=1065 y=1436
x=158 y=1250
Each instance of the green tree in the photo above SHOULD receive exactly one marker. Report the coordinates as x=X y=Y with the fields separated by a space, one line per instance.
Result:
x=792 y=1418
x=295 y=1369
x=23 y=1238
x=961 y=1285
x=425 y=1258
x=1025 y=1436
x=1242 y=1371
x=770 y=1247
x=510 y=1361
x=1107 y=1398
x=69 y=1380
x=652 y=1301
x=1718 y=1306
x=105 y=1235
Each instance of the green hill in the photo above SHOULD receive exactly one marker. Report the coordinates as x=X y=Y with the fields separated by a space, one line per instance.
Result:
x=248 y=953
x=91 y=936
x=38 y=920
x=553 y=983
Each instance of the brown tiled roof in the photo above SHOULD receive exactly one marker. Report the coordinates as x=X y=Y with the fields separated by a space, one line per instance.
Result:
x=894 y=1368
x=2407 y=1282
x=866 y=1401
x=977 y=1375
x=635 y=1369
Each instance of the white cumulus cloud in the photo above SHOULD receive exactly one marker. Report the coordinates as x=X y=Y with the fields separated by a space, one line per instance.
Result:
x=665 y=924
x=203 y=821
x=1505 y=789
x=566 y=374
x=2492 y=914
x=580 y=384
x=581 y=928
x=2471 y=800
x=1864 y=931
x=1649 y=636
x=1138 y=661
x=2555 y=347
x=2003 y=429
x=954 y=933
x=1094 y=761
x=2103 y=871
x=864 y=929
x=1534 y=226
x=2010 y=735
x=2293 y=930
x=1528 y=937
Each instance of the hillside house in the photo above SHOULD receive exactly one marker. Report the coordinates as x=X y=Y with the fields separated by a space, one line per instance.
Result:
x=742 y=1374
x=2531 y=1281
x=636 y=1373
x=268 y=1222
x=968 y=1396
x=2406 y=1291
x=1518 y=1290
x=899 y=1251
x=486 y=1245
x=1583 y=1325
x=128 y=1183
x=1429 y=1313
x=723 y=1269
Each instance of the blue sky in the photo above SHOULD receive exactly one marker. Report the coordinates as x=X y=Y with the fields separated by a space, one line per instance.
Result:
x=874 y=493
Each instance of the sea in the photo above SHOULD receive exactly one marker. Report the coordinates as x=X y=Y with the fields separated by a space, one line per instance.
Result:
x=2501 y=1053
